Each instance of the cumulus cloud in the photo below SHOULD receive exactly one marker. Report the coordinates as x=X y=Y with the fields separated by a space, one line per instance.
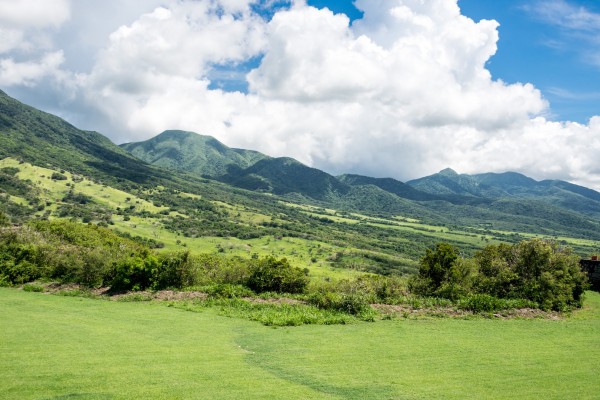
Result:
x=26 y=14
x=29 y=73
x=23 y=22
x=403 y=92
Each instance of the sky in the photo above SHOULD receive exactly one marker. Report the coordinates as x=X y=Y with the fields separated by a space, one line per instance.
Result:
x=385 y=88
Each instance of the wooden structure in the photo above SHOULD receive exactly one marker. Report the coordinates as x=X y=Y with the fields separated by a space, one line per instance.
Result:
x=592 y=267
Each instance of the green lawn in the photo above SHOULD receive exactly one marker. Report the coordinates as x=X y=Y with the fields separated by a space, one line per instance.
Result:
x=54 y=347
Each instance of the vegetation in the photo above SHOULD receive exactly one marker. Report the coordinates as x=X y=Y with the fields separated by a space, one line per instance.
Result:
x=61 y=347
x=541 y=272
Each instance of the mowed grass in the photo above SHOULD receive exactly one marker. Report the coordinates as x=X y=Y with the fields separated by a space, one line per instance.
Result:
x=54 y=347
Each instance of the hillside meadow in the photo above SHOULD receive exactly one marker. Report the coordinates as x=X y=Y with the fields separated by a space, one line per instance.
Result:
x=57 y=347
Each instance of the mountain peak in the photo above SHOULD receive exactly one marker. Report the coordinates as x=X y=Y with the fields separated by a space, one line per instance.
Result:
x=448 y=172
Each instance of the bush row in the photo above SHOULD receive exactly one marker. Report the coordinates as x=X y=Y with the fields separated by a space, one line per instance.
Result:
x=537 y=271
x=94 y=256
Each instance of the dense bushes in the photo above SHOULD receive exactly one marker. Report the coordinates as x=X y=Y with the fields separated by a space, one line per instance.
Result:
x=532 y=273
x=94 y=256
x=272 y=275
x=63 y=251
x=535 y=270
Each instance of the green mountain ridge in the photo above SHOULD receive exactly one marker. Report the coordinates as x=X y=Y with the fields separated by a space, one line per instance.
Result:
x=506 y=202
x=191 y=152
x=511 y=186
x=46 y=140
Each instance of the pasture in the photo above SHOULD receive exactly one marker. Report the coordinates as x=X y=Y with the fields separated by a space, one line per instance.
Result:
x=55 y=347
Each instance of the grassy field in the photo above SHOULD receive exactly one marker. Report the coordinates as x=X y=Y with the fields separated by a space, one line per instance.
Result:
x=54 y=347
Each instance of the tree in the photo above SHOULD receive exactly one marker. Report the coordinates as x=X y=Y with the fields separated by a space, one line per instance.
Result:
x=443 y=273
x=272 y=275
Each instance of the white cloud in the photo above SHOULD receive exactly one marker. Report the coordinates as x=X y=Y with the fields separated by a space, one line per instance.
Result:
x=566 y=15
x=24 y=23
x=27 y=14
x=29 y=73
x=403 y=92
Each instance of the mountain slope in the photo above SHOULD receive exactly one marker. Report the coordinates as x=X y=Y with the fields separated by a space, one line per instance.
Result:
x=390 y=185
x=46 y=140
x=511 y=185
x=285 y=175
x=190 y=152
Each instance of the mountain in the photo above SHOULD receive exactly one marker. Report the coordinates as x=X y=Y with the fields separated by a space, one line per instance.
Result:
x=511 y=186
x=190 y=152
x=207 y=157
x=285 y=175
x=390 y=185
x=46 y=140
x=479 y=203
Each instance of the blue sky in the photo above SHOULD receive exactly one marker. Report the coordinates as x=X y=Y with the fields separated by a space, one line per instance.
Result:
x=542 y=50
x=398 y=88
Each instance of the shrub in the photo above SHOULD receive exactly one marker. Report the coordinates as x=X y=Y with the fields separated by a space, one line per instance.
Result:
x=133 y=274
x=443 y=274
x=272 y=275
x=4 y=220
x=174 y=270
x=350 y=303
x=58 y=176
x=32 y=287
x=535 y=270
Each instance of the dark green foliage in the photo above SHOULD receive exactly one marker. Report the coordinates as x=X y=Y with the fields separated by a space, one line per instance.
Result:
x=534 y=270
x=442 y=273
x=351 y=303
x=32 y=287
x=133 y=274
x=65 y=251
x=4 y=220
x=546 y=274
x=272 y=275
x=78 y=198
x=173 y=270
x=58 y=176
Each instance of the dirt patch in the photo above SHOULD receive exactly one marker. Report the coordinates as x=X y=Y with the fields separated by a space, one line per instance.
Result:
x=281 y=300
x=170 y=295
x=405 y=311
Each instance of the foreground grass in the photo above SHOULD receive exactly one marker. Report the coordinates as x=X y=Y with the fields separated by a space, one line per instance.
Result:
x=54 y=347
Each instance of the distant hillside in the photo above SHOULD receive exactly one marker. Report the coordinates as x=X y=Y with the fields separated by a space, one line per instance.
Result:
x=193 y=153
x=46 y=140
x=390 y=185
x=285 y=175
x=207 y=157
x=506 y=202
x=511 y=185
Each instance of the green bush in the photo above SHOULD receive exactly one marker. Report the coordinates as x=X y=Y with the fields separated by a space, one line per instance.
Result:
x=174 y=270
x=215 y=269
x=272 y=275
x=535 y=270
x=350 y=303
x=32 y=287
x=134 y=274
x=58 y=176
x=4 y=220
x=443 y=274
